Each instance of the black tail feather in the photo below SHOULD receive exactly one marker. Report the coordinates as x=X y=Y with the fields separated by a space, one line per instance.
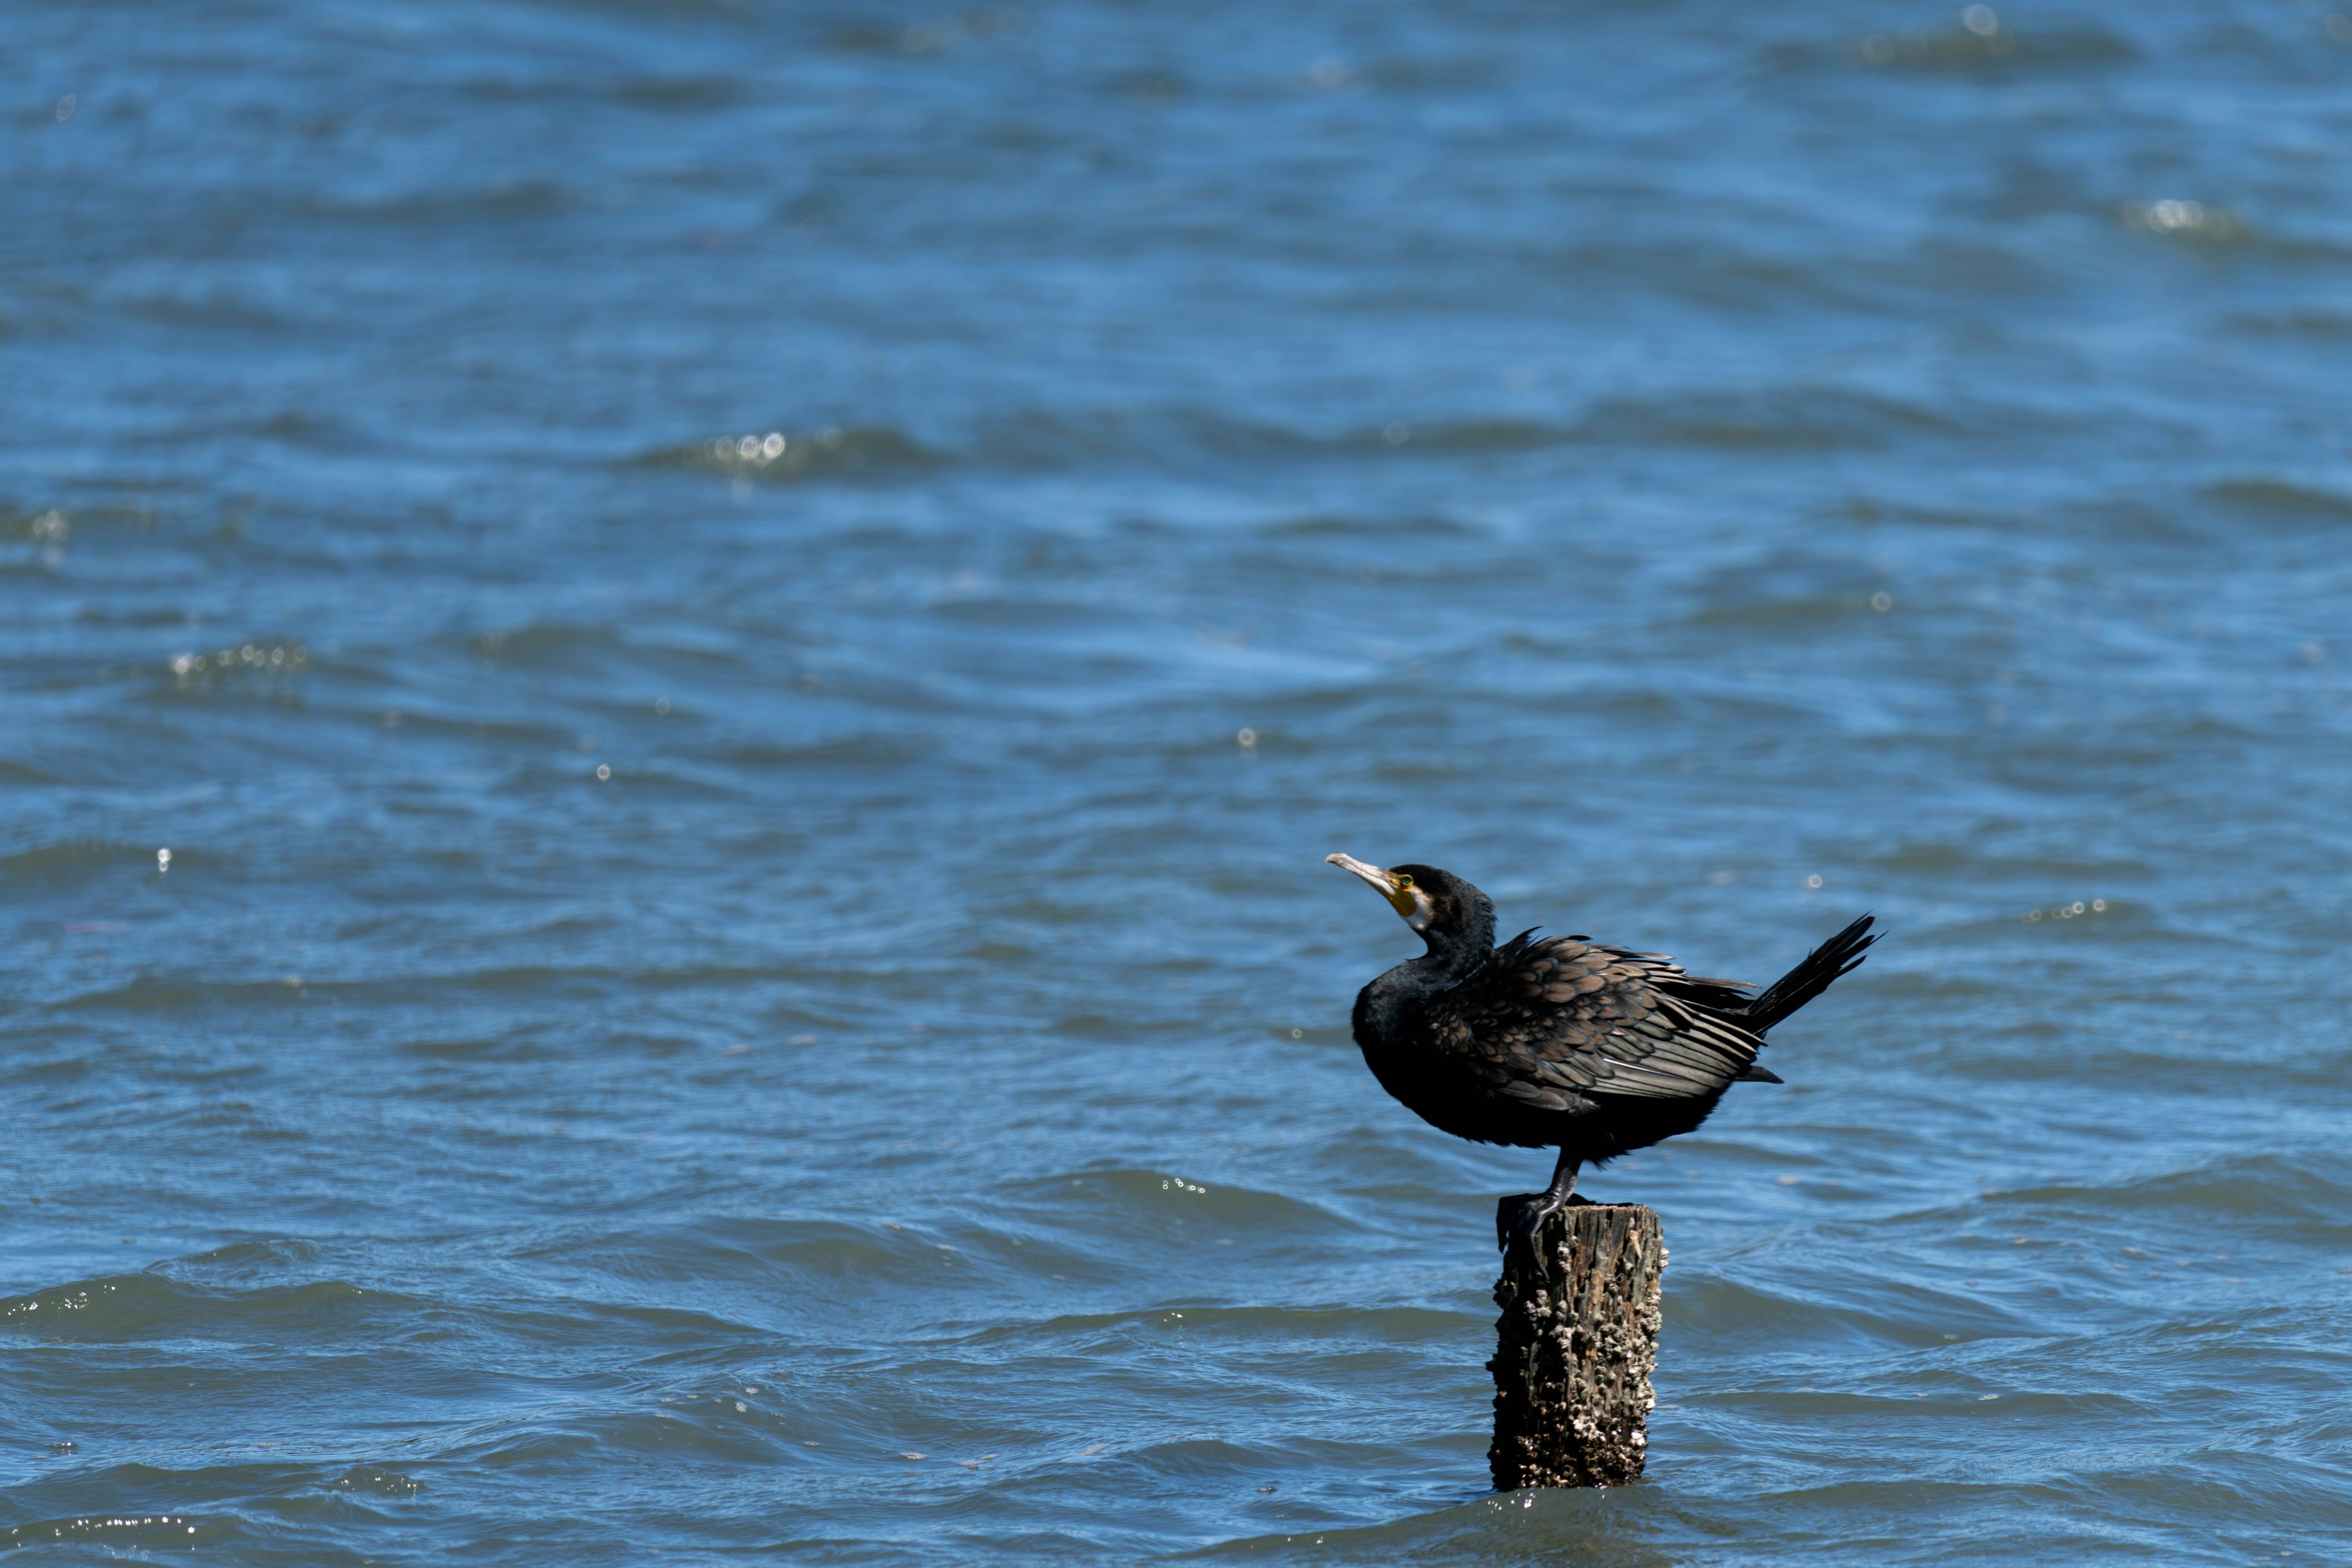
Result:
x=1835 y=957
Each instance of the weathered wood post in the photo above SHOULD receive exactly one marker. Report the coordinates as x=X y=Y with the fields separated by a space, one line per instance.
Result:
x=1575 y=1344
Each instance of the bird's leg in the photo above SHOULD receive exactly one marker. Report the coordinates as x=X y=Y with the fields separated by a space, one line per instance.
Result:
x=1516 y=1219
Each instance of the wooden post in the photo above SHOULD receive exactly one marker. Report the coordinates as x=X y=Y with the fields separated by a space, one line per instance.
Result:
x=1575 y=1344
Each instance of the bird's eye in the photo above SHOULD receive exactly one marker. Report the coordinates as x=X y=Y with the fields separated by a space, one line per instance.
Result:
x=1403 y=883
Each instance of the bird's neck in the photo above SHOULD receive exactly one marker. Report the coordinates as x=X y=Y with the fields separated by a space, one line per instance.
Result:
x=1455 y=953
x=1453 y=957
x=1389 y=1011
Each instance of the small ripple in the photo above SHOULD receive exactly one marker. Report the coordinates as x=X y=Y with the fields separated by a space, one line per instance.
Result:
x=247 y=1259
x=1326 y=1326
x=140 y=1307
x=1134 y=1200
x=753 y=1253
x=2282 y=499
x=2267 y=1189
x=1895 y=1313
x=870 y=749
x=776 y=456
x=1599 y=1529
x=114 y=1532
x=1983 y=41
x=76 y=863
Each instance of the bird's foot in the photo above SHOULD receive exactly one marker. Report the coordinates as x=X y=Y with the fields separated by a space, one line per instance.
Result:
x=1507 y=1216
x=1517 y=1219
x=1520 y=1215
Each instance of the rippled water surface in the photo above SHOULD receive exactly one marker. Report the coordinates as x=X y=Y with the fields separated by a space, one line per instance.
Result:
x=746 y=626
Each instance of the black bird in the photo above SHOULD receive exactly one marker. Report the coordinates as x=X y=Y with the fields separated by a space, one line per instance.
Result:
x=1561 y=1043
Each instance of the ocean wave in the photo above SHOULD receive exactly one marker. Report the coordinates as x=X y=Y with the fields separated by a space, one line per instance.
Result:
x=778 y=457
x=152 y=1306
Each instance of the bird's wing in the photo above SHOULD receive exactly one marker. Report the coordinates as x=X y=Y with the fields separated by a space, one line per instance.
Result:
x=1549 y=1021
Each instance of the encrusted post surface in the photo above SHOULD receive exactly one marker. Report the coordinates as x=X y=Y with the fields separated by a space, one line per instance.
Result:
x=1575 y=1344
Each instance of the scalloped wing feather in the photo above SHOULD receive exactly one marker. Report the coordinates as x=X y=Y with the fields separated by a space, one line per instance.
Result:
x=1559 y=1018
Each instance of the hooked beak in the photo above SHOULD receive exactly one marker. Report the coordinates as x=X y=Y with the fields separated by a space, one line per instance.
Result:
x=1382 y=883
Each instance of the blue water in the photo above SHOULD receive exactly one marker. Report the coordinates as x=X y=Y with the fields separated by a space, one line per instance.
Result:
x=747 y=624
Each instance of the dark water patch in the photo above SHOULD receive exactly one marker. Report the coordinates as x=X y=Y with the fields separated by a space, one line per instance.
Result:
x=45 y=526
x=172 y=996
x=264 y=667
x=864 y=750
x=1982 y=45
x=218 y=310
x=1733 y=1313
x=2320 y=324
x=700 y=1433
x=1745 y=611
x=247 y=1259
x=2257 y=500
x=680 y=95
x=1794 y=419
x=113 y=1532
x=16 y=773
x=60 y=867
x=542 y=645
x=2259 y=1192
x=781 y=457
x=1607 y=1529
x=509 y=1049
x=1790 y=419
x=142 y=1307
x=377 y=1480
x=1139 y=1200
x=757 y=1253
x=507 y=202
x=578 y=982
x=1464 y=436
x=1370 y=529
x=1259 y=1328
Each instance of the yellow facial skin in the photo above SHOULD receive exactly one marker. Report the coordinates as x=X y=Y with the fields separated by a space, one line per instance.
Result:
x=1393 y=887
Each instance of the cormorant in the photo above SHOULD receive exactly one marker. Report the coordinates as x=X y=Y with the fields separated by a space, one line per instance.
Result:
x=1561 y=1043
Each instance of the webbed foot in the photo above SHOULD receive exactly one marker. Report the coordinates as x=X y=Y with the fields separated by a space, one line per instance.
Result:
x=1510 y=1213
x=1518 y=1217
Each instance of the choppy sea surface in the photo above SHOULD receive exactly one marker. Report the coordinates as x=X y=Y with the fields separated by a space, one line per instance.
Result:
x=746 y=626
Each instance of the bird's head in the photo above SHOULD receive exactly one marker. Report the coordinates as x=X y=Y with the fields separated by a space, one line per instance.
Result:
x=1442 y=908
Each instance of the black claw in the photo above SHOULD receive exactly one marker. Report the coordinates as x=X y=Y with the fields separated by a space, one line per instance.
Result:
x=1518 y=1236
x=1517 y=1219
x=1508 y=1211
